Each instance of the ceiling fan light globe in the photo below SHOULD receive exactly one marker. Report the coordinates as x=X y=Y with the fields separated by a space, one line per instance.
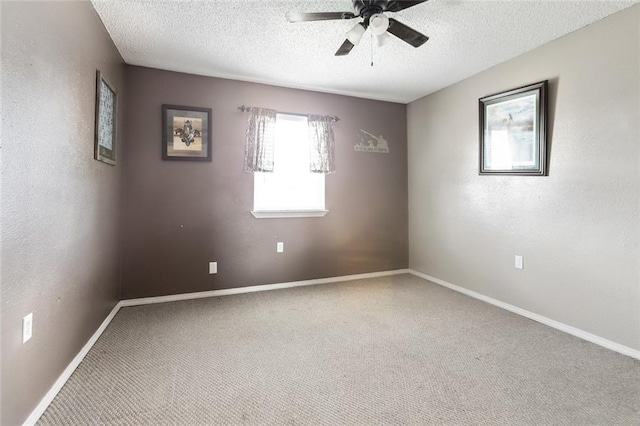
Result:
x=378 y=24
x=383 y=39
x=354 y=35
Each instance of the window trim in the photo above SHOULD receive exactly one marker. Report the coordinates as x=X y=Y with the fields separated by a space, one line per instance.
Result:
x=279 y=214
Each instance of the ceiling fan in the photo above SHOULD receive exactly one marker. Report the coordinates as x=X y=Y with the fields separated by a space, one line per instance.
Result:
x=372 y=14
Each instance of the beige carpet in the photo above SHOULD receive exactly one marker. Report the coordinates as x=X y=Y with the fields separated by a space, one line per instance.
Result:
x=394 y=350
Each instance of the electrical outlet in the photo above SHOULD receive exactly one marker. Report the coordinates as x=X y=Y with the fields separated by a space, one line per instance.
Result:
x=27 y=327
x=280 y=247
x=213 y=268
x=519 y=262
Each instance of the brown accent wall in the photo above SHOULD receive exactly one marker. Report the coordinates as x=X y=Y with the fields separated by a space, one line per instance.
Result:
x=180 y=215
x=60 y=208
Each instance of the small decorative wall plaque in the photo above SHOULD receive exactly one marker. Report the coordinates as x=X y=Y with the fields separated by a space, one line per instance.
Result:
x=368 y=142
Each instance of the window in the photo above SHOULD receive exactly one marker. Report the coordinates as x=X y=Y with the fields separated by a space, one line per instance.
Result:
x=291 y=190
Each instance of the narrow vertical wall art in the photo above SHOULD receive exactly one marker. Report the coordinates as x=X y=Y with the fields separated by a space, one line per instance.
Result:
x=105 y=126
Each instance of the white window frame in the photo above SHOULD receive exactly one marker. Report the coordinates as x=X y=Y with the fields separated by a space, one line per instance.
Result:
x=264 y=209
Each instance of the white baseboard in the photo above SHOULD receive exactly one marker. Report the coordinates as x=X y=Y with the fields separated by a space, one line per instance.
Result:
x=251 y=289
x=625 y=350
x=59 y=383
x=51 y=394
x=48 y=398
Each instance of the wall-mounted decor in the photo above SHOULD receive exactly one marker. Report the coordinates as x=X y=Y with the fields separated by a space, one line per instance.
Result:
x=513 y=131
x=186 y=133
x=368 y=142
x=105 y=129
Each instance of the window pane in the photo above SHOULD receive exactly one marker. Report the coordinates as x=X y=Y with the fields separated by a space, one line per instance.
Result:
x=291 y=186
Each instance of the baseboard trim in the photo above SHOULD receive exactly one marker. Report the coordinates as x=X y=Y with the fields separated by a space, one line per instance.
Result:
x=625 y=350
x=252 y=289
x=66 y=374
x=60 y=382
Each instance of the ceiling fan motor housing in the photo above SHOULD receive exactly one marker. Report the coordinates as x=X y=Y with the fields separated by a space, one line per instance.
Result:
x=368 y=8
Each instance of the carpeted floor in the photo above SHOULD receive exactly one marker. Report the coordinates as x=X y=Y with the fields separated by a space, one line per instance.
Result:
x=394 y=350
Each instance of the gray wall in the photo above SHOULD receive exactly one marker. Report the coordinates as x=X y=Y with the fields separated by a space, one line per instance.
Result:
x=578 y=228
x=180 y=215
x=60 y=208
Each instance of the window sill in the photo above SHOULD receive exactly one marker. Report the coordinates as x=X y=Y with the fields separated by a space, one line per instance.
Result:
x=274 y=214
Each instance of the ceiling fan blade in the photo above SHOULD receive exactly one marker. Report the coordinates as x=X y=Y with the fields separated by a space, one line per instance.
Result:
x=407 y=34
x=318 y=16
x=395 y=6
x=345 y=48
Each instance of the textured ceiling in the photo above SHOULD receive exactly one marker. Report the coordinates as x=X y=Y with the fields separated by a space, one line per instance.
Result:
x=251 y=40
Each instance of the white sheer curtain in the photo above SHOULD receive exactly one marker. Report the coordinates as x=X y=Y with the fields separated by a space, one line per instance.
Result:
x=260 y=140
x=321 y=144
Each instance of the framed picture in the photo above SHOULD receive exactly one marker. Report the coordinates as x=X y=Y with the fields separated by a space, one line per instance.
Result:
x=186 y=133
x=105 y=129
x=513 y=137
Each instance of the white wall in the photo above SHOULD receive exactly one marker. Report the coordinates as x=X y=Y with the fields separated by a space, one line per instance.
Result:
x=579 y=228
